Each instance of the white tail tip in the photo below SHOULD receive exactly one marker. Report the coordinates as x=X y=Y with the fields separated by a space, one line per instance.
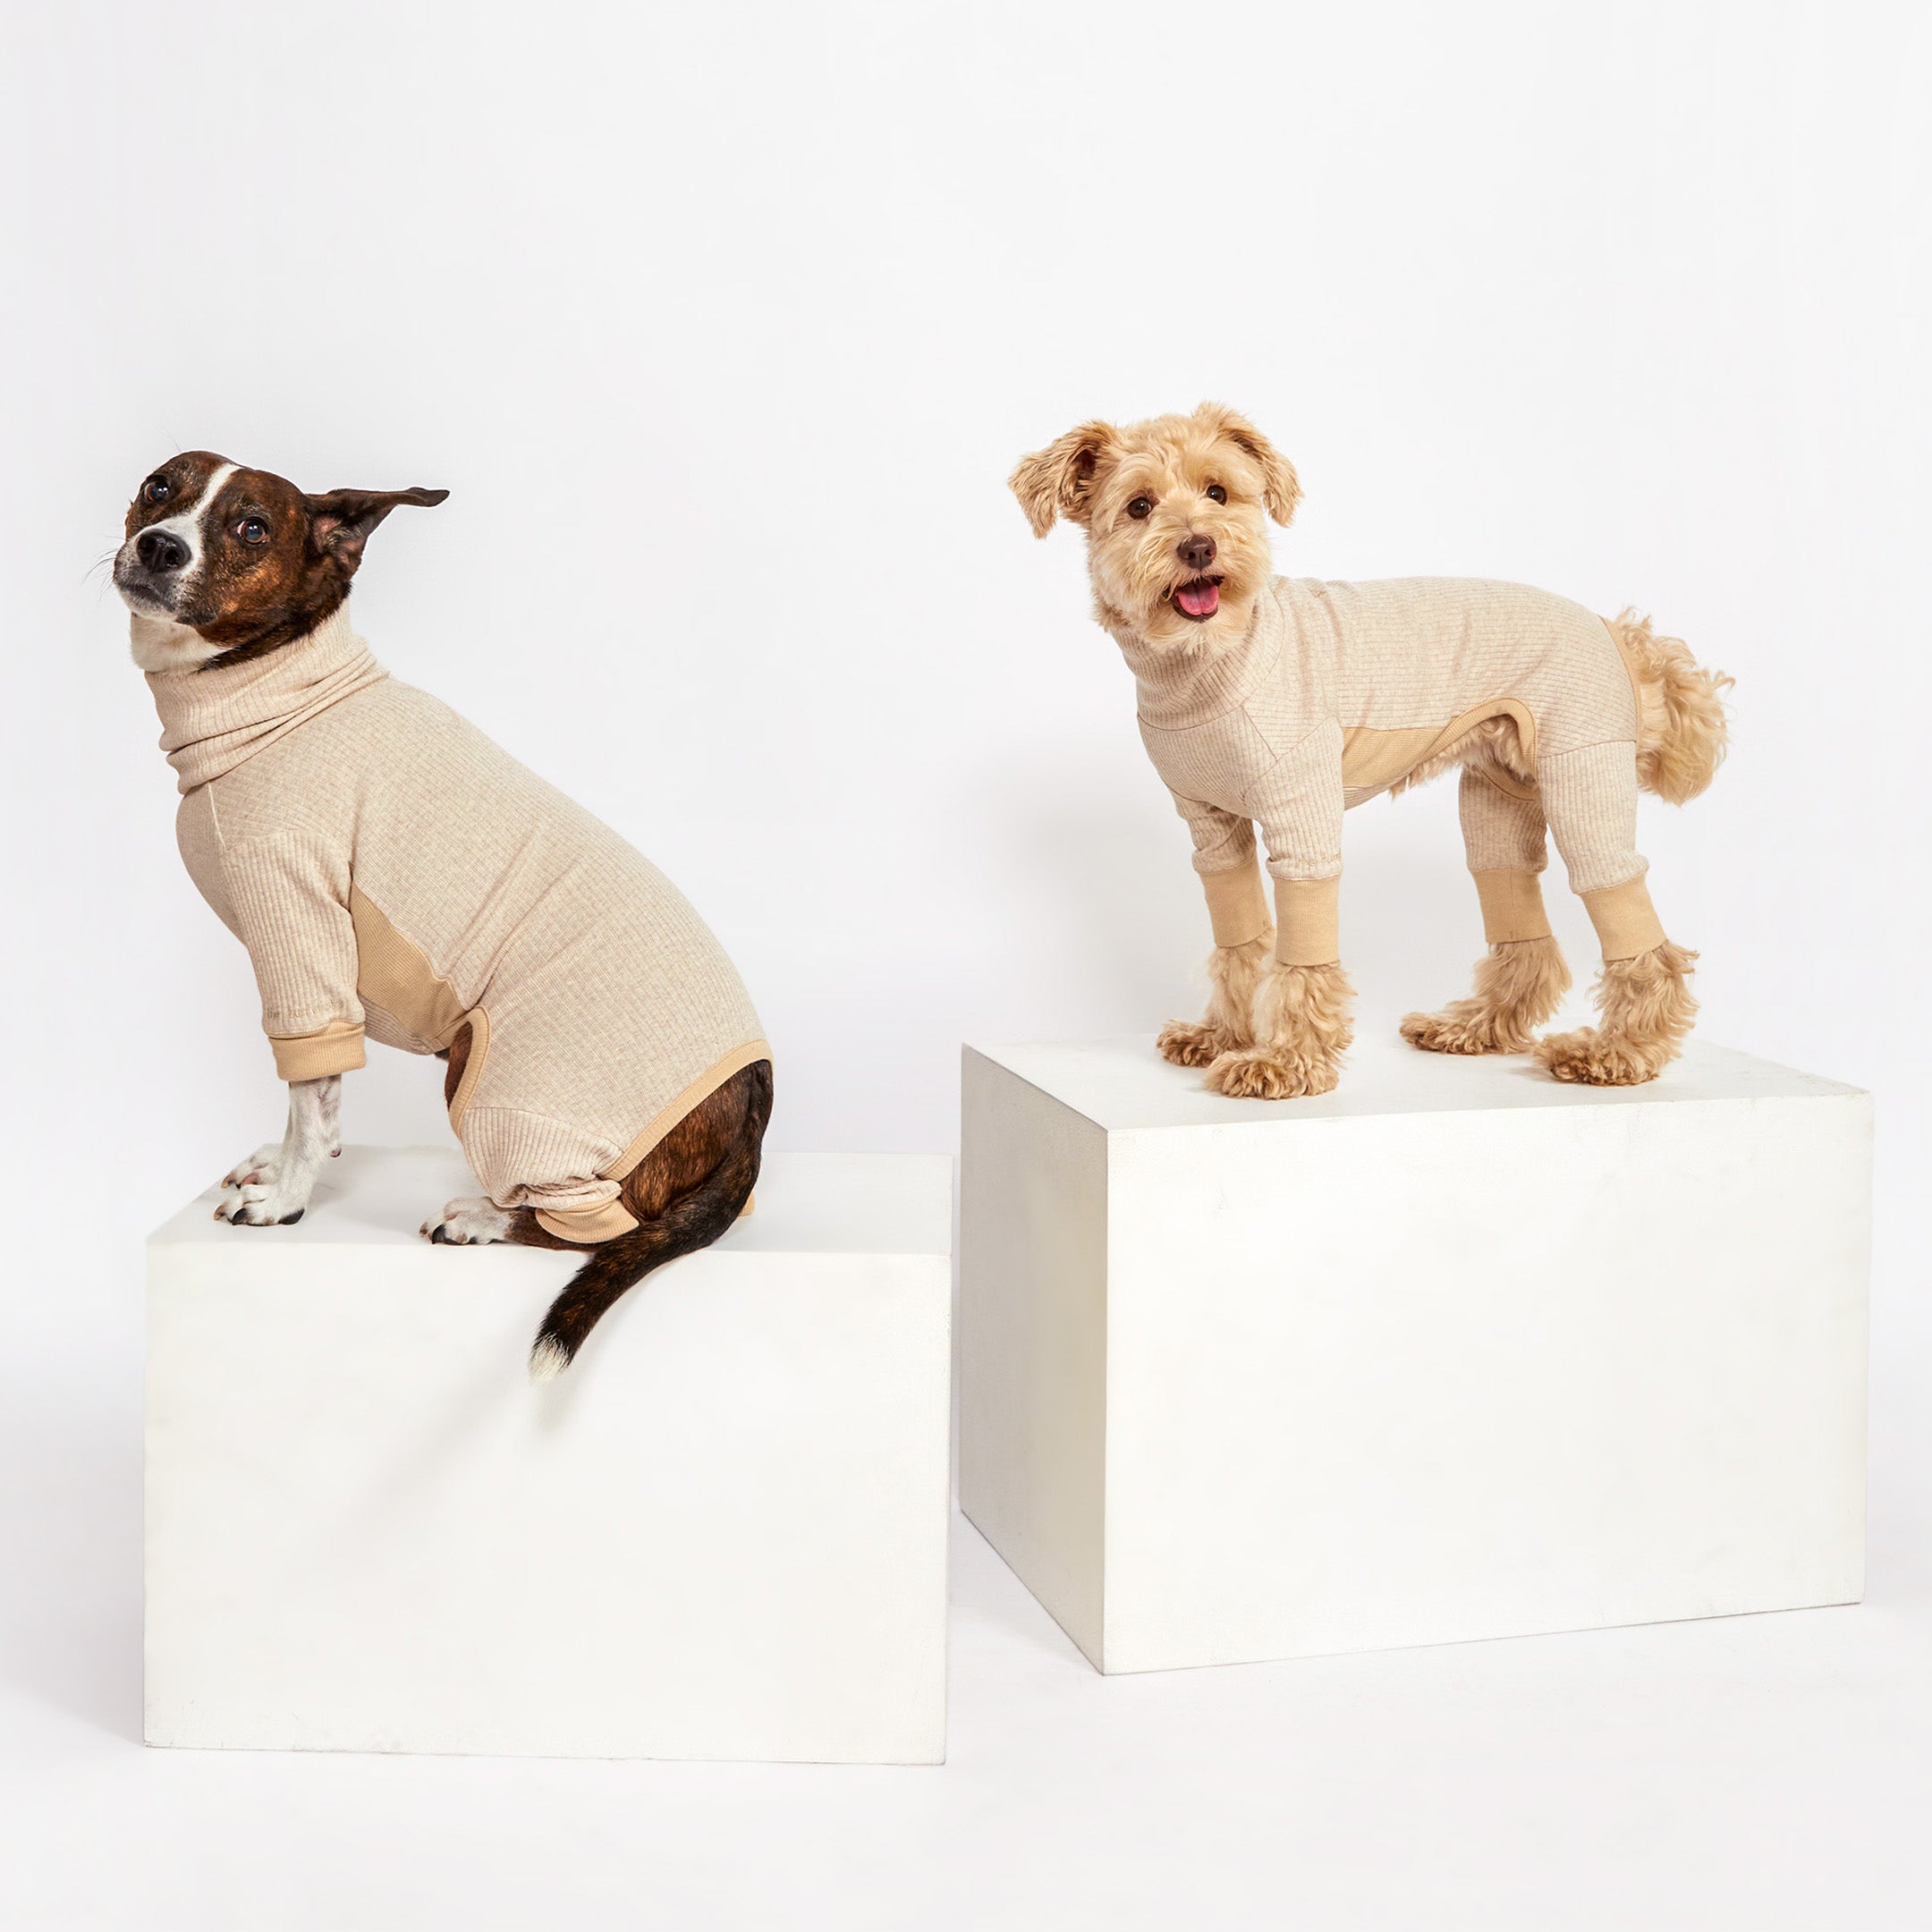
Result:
x=548 y=1361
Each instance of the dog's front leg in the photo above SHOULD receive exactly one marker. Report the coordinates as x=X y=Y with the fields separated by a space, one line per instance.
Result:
x=271 y=1188
x=1234 y=975
x=1302 y=1025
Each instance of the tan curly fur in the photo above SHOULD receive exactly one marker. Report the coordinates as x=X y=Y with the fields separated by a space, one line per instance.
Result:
x=1302 y=1025
x=1273 y=1030
x=1645 y=1007
x=1519 y=985
x=1682 y=733
x=1234 y=979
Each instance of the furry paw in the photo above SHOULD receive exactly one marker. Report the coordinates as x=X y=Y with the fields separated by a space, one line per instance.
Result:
x=468 y=1223
x=260 y=1204
x=1184 y=1044
x=1257 y=1073
x=264 y=1164
x=1592 y=1059
x=1463 y=1026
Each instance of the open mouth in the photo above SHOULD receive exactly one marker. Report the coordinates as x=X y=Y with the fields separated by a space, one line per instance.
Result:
x=1198 y=598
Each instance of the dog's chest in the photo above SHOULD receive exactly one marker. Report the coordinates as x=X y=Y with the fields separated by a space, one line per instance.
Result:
x=1215 y=763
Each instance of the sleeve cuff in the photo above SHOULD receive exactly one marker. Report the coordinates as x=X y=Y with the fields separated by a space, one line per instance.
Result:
x=1307 y=922
x=604 y=1222
x=1625 y=922
x=337 y=1048
x=1511 y=906
x=1237 y=906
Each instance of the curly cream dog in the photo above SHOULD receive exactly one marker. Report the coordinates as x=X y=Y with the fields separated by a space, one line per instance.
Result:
x=1287 y=700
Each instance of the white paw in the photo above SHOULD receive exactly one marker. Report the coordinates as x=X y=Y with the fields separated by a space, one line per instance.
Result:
x=260 y=1204
x=465 y=1223
x=264 y=1164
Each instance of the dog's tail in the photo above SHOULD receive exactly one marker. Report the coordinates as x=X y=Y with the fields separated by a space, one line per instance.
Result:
x=1682 y=730
x=694 y=1220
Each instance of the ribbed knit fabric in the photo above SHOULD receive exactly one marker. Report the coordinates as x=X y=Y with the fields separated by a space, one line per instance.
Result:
x=1338 y=691
x=390 y=869
x=1501 y=833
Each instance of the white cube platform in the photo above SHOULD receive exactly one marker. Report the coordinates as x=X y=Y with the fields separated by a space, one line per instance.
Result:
x=1452 y=1352
x=722 y=1534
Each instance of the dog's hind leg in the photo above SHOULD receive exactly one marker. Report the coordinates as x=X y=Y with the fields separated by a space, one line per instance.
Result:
x=1645 y=1007
x=1644 y=998
x=1521 y=980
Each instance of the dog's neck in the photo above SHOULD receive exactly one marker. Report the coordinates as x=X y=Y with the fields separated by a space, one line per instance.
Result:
x=1198 y=679
x=212 y=719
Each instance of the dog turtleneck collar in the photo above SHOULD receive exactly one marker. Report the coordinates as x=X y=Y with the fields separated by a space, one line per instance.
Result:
x=1188 y=683
x=211 y=720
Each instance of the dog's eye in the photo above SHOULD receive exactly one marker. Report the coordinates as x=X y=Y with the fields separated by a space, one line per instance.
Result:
x=252 y=531
x=1216 y=493
x=1139 y=508
x=154 y=490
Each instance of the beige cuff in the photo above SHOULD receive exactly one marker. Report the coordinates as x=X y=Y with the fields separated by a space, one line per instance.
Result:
x=1307 y=922
x=337 y=1048
x=1236 y=904
x=1511 y=906
x=598 y=1224
x=1626 y=925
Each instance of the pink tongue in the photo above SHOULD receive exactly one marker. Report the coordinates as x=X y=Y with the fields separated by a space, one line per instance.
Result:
x=1198 y=599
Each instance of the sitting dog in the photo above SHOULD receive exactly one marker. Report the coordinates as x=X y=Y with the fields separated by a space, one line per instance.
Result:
x=392 y=872
x=1287 y=700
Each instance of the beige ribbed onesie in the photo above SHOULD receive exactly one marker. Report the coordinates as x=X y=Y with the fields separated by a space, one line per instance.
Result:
x=1339 y=691
x=391 y=871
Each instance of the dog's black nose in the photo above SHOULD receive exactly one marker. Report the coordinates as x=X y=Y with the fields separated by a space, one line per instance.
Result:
x=161 y=551
x=1197 y=552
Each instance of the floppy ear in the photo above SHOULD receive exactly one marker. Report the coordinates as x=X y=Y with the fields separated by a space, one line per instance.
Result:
x=340 y=521
x=1281 y=488
x=1058 y=480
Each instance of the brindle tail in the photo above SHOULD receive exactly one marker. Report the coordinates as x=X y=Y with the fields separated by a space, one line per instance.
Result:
x=694 y=1220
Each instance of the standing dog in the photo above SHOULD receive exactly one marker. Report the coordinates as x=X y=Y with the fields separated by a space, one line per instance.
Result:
x=392 y=872
x=1287 y=700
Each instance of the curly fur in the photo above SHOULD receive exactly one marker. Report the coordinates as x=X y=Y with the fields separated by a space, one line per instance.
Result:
x=1233 y=978
x=1273 y=1030
x=1682 y=732
x=1645 y=1007
x=1302 y=1025
x=1519 y=985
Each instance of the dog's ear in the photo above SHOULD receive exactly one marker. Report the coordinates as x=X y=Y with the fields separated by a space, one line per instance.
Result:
x=1058 y=480
x=1281 y=488
x=341 y=520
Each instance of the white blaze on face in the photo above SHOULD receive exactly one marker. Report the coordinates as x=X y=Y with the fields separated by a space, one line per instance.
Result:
x=191 y=525
x=157 y=643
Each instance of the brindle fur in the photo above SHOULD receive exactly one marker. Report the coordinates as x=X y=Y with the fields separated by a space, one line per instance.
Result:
x=685 y=1192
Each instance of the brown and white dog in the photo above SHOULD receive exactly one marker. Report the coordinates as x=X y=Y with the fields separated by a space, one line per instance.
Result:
x=1287 y=700
x=224 y=566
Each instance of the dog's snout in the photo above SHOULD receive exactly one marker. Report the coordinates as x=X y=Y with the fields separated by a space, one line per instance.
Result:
x=1197 y=552
x=161 y=551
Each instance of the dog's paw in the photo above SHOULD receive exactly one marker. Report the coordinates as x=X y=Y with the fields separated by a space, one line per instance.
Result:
x=1185 y=1044
x=1588 y=1058
x=468 y=1223
x=1463 y=1026
x=263 y=1165
x=260 y=1204
x=1256 y=1073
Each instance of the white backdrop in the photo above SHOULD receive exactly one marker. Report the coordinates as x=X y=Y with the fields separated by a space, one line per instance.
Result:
x=724 y=327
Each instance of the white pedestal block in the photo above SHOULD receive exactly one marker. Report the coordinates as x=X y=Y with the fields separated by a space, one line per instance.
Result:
x=1452 y=1352
x=722 y=1534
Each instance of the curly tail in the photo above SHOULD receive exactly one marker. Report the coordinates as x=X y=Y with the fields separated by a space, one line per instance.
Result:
x=1682 y=733
x=694 y=1220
